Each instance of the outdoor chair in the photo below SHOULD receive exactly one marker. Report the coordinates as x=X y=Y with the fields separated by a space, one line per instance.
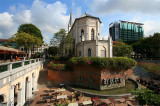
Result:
x=113 y=101
x=44 y=95
x=41 y=102
x=102 y=104
x=125 y=97
x=156 y=77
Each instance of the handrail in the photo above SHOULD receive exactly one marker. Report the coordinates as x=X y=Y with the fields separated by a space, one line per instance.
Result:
x=13 y=65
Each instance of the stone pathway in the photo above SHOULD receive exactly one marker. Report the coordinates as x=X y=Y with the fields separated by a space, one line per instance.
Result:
x=139 y=72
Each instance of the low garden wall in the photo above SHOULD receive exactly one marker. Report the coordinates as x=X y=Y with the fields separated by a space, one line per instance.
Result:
x=60 y=77
x=95 y=73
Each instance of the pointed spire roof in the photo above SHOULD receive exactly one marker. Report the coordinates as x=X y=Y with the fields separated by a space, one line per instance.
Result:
x=70 y=20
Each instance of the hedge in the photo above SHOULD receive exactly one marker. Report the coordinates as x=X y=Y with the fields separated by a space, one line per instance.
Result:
x=119 y=63
x=60 y=67
x=59 y=58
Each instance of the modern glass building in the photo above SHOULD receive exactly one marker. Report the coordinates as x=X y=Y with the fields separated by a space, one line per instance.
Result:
x=126 y=31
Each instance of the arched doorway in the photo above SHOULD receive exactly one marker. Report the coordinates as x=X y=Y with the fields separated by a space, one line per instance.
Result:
x=1 y=99
x=103 y=52
x=89 y=52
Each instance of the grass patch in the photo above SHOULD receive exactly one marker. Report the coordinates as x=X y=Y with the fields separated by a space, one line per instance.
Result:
x=116 y=91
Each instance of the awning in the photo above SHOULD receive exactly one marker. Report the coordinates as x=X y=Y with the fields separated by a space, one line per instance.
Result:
x=9 y=50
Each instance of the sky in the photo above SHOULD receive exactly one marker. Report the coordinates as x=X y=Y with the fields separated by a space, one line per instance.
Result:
x=51 y=15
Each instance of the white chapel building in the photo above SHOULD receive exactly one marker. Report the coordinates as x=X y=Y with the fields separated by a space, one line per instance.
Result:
x=86 y=32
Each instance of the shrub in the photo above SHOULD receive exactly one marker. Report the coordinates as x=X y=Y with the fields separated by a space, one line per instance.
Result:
x=119 y=63
x=59 y=58
x=146 y=97
x=151 y=67
x=58 y=67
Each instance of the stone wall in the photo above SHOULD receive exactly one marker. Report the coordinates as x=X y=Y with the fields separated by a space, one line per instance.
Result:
x=111 y=80
x=60 y=77
x=87 y=76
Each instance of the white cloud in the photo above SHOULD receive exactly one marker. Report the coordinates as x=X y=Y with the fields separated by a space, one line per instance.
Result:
x=6 y=25
x=49 y=18
x=127 y=6
x=151 y=27
x=12 y=8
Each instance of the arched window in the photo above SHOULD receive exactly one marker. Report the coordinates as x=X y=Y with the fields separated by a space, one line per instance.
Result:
x=92 y=34
x=89 y=52
x=82 y=35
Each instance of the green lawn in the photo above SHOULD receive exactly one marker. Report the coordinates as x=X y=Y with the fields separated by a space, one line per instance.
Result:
x=123 y=90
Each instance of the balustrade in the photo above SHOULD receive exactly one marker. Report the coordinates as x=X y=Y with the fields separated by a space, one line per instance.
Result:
x=13 y=65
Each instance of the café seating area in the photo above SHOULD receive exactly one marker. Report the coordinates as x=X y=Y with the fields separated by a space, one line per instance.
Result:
x=153 y=84
x=57 y=96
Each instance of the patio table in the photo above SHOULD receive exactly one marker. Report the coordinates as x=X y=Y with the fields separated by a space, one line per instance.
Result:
x=61 y=96
x=87 y=102
x=73 y=104
x=60 y=90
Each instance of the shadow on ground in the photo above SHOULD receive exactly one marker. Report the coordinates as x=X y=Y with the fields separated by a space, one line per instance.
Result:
x=42 y=80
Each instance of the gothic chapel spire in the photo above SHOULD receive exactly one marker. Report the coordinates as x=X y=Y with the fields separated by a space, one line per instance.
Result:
x=70 y=21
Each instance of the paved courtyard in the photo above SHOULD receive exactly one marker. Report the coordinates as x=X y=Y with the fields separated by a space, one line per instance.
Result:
x=45 y=85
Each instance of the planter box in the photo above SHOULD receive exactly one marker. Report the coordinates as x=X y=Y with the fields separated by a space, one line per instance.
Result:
x=89 y=76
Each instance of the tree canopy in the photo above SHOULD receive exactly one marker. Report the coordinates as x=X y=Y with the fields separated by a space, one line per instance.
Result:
x=53 y=51
x=26 y=40
x=148 y=45
x=62 y=40
x=31 y=29
x=122 y=50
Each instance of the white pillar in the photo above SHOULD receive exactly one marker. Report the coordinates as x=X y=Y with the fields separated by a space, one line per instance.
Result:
x=34 y=83
x=12 y=96
x=29 y=90
x=23 y=91
x=20 y=95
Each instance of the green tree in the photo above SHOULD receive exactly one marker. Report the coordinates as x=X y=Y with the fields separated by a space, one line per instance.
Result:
x=147 y=46
x=31 y=29
x=146 y=97
x=122 y=50
x=53 y=51
x=63 y=41
x=26 y=40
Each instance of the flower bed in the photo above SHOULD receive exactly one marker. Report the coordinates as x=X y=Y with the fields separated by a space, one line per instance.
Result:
x=58 y=67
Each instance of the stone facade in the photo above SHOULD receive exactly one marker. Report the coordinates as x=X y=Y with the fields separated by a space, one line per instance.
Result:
x=86 y=32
